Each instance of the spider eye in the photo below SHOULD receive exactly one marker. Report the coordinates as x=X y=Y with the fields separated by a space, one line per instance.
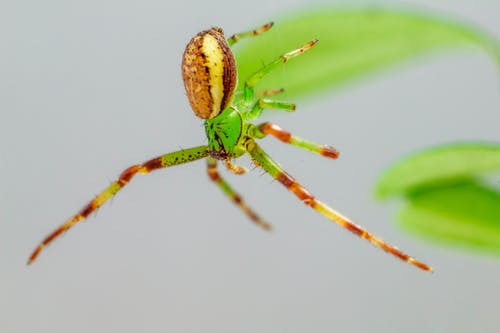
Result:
x=209 y=73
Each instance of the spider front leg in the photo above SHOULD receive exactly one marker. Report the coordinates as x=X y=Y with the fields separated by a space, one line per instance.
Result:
x=264 y=129
x=164 y=161
x=264 y=161
x=214 y=175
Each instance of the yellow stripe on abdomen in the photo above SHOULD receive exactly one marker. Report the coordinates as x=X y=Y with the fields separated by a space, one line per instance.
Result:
x=215 y=64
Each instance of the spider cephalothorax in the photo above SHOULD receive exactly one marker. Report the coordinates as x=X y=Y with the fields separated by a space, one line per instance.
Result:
x=209 y=73
x=226 y=134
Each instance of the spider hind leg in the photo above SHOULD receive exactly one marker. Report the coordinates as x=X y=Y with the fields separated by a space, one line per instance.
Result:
x=248 y=89
x=236 y=37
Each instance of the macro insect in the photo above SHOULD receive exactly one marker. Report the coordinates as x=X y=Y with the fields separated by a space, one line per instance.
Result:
x=210 y=77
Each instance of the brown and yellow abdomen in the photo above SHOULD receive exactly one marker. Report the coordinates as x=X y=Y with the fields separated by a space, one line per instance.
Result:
x=209 y=73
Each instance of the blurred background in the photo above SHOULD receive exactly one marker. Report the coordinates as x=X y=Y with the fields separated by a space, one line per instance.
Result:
x=89 y=88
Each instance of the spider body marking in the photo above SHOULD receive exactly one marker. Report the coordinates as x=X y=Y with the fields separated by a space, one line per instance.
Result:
x=210 y=79
x=226 y=134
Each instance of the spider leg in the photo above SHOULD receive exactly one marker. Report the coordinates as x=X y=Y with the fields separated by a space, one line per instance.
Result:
x=256 y=77
x=235 y=168
x=214 y=175
x=271 y=167
x=236 y=37
x=164 y=161
x=265 y=103
x=271 y=92
x=264 y=129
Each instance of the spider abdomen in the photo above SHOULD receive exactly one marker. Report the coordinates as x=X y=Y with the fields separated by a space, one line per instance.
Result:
x=209 y=73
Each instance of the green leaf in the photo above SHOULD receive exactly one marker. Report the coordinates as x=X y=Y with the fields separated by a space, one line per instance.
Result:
x=440 y=165
x=465 y=214
x=353 y=43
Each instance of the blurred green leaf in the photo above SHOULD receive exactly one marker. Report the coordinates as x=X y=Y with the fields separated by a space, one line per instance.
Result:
x=353 y=43
x=464 y=214
x=444 y=204
x=438 y=165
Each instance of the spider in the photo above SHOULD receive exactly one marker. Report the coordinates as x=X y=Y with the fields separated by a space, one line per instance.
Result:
x=210 y=76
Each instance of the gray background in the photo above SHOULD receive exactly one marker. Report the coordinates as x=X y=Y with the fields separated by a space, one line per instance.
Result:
x=90 y=87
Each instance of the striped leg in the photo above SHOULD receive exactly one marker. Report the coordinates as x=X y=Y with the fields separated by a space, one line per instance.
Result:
x=164 y=161
x=236 y=37
x=264 y=129
x=271 y=92
x=214 y=175
x=248 y=89
x=271 y=167
x=265 y=103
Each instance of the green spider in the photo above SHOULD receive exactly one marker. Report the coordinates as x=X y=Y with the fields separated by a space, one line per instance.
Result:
x=210 y=76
